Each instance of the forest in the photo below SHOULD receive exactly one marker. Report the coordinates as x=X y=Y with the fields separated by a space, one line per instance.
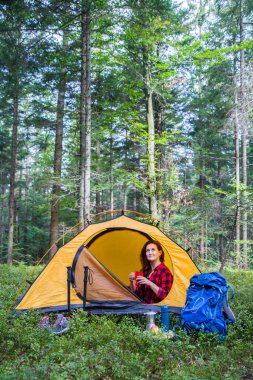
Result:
x=127 y=104
x=142 y=106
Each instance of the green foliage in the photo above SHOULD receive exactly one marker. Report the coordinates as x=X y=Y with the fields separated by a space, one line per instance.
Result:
x=192 y=56
x=118 y=347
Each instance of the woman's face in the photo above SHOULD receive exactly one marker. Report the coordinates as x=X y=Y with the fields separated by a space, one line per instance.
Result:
x=152 y=252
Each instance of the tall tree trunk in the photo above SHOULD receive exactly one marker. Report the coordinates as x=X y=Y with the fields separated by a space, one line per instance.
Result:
x=98 y=193
x=151 y=156
x=206 y=241
x=237 y=179
x=2 y=219
x=125 y=197
x=202 y=240
x=26 y=207
x=111 y=176
x=202 y=179
x=151 y=147
x=243 y=120
x=158 y=112
x=152 y=200
x=125 y=187
x=88 y=118
x=221 y=248
x=111 y=192
x=55 y=204
x=85 y=115
x=202 y=183
x=135 y=202
x=12 y=203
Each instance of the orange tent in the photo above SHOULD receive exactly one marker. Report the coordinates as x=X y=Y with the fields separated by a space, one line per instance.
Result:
x=111 y=249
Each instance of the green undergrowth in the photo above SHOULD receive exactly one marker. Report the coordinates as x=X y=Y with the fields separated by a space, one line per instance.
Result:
x=113 y=347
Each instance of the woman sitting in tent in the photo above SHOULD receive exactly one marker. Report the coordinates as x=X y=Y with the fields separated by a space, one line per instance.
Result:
x=154 y=282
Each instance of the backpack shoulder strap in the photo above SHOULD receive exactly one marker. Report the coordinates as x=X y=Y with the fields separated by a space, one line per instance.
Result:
x=228 y=312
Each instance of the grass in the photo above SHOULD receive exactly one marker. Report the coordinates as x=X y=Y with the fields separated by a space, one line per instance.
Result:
x=109 y=347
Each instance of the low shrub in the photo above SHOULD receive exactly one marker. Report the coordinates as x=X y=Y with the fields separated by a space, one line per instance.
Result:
x=113 y=347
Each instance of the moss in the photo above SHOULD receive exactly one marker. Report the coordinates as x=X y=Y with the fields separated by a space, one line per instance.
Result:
x=108 y=347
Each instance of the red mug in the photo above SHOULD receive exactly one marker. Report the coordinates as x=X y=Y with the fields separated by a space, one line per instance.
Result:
x=138 y=274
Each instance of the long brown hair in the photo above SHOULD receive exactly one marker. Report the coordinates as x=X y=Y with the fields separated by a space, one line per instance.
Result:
x=146 y=267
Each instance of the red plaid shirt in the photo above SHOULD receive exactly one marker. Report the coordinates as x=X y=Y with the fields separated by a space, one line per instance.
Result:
x=163 y=278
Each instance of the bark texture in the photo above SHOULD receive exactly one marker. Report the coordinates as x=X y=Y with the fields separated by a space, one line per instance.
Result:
x=12 y=203
x=85 y=115
x=55 y=205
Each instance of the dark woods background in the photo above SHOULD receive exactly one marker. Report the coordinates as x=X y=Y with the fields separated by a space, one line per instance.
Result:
x=141 y=105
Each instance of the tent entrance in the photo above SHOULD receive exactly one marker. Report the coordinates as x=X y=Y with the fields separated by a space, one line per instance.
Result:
x=118 y=249
x=101 y=285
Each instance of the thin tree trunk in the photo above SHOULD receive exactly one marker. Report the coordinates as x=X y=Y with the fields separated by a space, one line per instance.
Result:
x=237 y=178
x=82 y=124
x=202 y=182
x=111 y=192
x=221 y=248
x=202 y=240
x=158 y=108
x=135 y=200
x=55 y=204
x=98 y=195
x=2 y=219
x=12 y=204
x=124 y=197
x=88 y=117
x=85 y=116
x=111 y=177
x=25 y=232
x=158 y=131
x=102 y=200
x=125 y=187
x=151 y=150
x=244 y=146
x=206 y=241
x=152 y=200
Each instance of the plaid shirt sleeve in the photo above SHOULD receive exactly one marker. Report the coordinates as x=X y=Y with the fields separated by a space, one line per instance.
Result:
x=164 y=282
x=163 y=278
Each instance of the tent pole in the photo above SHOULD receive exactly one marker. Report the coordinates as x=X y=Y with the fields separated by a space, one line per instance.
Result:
x=85 y=281
x=69 y=269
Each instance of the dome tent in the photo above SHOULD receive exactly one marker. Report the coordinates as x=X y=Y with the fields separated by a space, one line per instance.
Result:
x=111 y=249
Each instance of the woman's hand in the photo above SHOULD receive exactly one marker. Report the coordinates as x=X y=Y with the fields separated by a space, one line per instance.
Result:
x=131 y=277
x=143 y=280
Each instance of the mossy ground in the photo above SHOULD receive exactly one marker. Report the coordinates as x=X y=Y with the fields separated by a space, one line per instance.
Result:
x=111 y=347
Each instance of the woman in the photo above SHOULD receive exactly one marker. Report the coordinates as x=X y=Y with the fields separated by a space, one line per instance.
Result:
x=157 y=279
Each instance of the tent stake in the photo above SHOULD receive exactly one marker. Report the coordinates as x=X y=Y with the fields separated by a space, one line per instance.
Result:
x=69 y=269
x=85 y=281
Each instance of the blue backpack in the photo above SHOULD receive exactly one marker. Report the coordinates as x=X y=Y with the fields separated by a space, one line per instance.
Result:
x=206 y=308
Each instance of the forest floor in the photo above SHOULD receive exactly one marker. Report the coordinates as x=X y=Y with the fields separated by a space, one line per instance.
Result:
x=110 y=347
